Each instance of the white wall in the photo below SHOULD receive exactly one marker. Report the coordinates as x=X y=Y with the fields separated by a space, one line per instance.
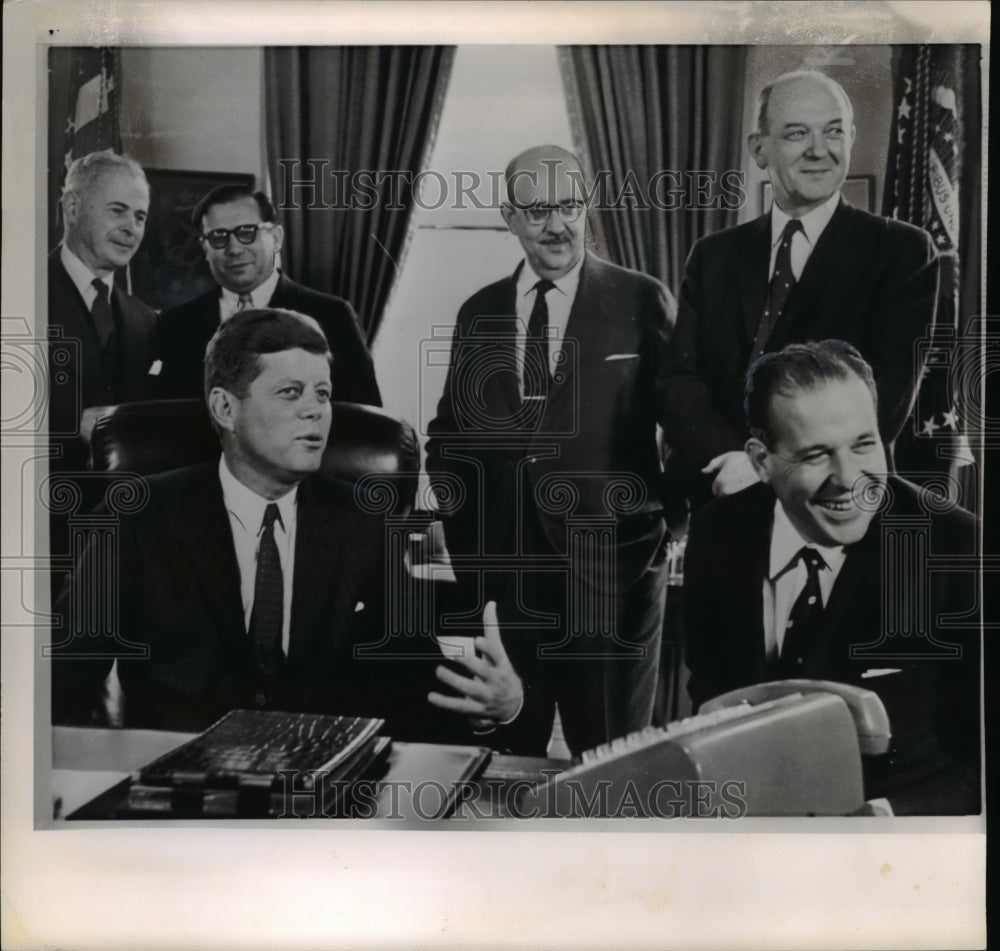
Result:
x=194 y=109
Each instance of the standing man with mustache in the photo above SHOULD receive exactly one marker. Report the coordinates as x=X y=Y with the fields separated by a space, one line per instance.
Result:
x=241 y=239
x=547 y=423
x=812 y=268
x=105 y=203
x=791 y=577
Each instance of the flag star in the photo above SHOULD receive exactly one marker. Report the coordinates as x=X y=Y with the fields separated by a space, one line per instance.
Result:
x=948 y=137
x=950 y=419
x=904 y=109
x=929 y=428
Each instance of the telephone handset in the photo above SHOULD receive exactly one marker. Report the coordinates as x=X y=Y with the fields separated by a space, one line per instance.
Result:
x=865 y=706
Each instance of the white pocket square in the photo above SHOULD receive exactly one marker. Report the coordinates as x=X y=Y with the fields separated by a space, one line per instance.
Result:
x=155 y=368
x=881 y=672
x=621 y=356
x=360 y=606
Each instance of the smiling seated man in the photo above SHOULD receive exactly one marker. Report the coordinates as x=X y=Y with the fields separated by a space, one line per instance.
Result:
x=249 y=580
x=804 y=560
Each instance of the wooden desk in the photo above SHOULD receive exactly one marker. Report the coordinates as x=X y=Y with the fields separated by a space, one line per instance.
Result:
x=89 y=761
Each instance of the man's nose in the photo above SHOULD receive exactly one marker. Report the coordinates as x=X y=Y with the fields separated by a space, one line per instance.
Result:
x=817 y=144
x=846 y=470
x=554 y=224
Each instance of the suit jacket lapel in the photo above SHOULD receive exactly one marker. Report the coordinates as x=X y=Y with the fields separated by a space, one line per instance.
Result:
x=824 y=267
x=209 y=540
x=750 y=579
x=754 y=261
x=319 y=562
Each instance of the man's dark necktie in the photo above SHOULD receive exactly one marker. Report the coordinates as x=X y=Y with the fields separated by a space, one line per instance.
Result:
x=244 y=302
x=536 y=346
x=268 y=605
x=782 y=282
x=804 y=619
x=100 y=312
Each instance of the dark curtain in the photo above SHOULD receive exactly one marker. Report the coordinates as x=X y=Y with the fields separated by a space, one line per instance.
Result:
x=84 y=89
x=341 y=116
x=933 y=180
x=645 y=110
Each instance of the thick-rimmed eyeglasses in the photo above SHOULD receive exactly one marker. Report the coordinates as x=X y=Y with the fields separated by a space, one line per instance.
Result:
x=218 y=238
x=539 y=214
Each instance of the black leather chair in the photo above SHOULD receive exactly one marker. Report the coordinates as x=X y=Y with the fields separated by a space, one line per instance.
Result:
x=365 y=444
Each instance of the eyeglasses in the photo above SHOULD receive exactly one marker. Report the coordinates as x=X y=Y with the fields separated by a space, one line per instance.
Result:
x=218 y=238
x=539 y=214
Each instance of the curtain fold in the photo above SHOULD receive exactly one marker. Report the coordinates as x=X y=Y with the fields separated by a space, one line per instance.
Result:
x=361 y=122
x=663 y=124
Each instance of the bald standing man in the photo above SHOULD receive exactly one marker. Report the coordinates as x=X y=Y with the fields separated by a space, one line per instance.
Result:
x=546 y=436
x=813 y=267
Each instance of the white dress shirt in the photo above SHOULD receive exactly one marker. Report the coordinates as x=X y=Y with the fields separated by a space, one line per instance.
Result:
x=787 y=574
x=260 y=296
x=82 y=277
x=803 y=241
x=559 y=301
x=246 y=518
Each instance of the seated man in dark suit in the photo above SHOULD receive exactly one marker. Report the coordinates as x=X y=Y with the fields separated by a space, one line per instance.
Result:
x=246 y=582
x=105 y=203
x=811 y=268
x=241 y=240
x=805 y=574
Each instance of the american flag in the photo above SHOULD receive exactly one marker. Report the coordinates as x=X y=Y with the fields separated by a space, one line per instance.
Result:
x=923 y=184
x=85 y=84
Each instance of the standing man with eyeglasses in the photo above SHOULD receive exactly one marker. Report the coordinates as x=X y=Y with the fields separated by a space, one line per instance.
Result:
x=241 y=239
x=545 y=437
x=101 y=338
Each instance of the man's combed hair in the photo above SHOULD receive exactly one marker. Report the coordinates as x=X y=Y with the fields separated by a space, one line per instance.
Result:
x=799 y=367
x=232 y=358
x=764 y=96
x=85 y=170
x=230 y=192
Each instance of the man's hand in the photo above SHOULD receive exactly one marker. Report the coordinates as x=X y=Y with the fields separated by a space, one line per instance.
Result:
x=734 y=470
x=493 y=693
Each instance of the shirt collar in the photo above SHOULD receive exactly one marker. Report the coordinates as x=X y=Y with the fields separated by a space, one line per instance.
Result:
x=81 y=275
x=567 y=284
x=260 y=296
x=813 y=222
x=786 y=543
x=247 y=506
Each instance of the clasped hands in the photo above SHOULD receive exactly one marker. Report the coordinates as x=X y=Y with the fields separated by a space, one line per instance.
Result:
x=492 y=693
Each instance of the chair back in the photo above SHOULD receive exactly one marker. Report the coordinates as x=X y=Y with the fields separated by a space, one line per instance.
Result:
x=159 y=435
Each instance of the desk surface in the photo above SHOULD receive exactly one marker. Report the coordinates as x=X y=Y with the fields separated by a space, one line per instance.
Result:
x=88 y=761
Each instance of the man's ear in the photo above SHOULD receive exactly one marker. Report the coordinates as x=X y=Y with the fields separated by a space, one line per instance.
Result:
x=278 y=233
x=70 y=207
x=224 y=408
x=758 y=454
x=508 y=213
x=755 y=146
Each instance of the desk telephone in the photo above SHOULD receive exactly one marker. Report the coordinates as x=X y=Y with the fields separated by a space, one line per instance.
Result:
x=785 y=748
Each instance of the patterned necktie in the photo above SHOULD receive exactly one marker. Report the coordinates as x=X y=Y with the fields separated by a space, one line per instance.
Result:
x=268 y=605
x=245 y=302
x=100 y=312
x=536 y=346
x=782 y=282
x=806 y=613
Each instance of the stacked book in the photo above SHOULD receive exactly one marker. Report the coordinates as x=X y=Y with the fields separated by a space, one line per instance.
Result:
x=262 y=764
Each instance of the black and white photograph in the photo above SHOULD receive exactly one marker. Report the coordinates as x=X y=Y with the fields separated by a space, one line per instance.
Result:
x=495 y=475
